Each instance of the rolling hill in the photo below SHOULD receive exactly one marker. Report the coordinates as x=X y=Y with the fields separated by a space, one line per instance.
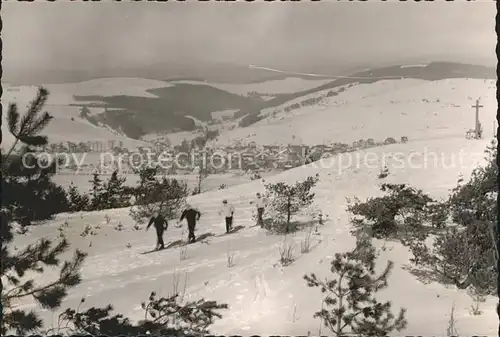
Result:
x=389 y=108
x=135 y=107
x=432 y=71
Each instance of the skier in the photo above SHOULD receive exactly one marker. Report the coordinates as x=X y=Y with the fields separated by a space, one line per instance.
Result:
x=191 y=215
x=160 y=225
x=260 y=203
x=228 y=212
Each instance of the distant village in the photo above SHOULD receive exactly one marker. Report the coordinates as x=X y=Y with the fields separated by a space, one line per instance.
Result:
x=190 y=157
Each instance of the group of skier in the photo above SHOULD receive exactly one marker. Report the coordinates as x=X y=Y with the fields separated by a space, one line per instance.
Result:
x=192 y=215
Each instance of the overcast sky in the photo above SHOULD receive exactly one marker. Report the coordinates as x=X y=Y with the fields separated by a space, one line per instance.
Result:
x=80 y=35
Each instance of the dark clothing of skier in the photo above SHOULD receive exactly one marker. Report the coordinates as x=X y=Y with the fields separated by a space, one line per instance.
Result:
x=160 y=225
x=191 y=215
x=229 y=224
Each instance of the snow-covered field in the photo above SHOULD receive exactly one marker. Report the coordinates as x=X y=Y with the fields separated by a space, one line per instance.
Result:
x=265 y=298
x=285 y=86
x=416 y=109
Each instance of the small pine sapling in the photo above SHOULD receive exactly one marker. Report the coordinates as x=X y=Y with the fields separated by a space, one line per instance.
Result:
x=350 y=295
x=285 y=201
x=384 y=173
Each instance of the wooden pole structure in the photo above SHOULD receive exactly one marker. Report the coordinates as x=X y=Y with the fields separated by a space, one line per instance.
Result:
x=478 y=125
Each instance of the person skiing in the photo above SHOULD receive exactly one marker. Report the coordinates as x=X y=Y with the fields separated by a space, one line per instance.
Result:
x=160 y=224
x=260 y=204
x=228 y=212
x=191 y=215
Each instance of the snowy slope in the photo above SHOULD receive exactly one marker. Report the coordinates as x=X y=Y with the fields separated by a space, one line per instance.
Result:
x=62 y=94
x=264 y=298
x=392 y=108
x=62 y=128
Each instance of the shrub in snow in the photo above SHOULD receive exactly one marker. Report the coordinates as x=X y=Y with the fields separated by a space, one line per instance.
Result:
x=351 y=306
x=119 y=227
x=285 y=201
x=390 y=140
x=384 y=173
x=402 y=212
x=255 y=176
x=464 y=254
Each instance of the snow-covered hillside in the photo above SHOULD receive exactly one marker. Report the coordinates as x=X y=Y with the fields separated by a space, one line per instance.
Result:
x=67 y=125
x=63 y=93
x=284 y=86
x=390 y=108
x=265 y=298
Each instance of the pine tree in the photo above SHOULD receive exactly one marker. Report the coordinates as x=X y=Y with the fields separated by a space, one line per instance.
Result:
x=77 y=202
x=287 y=200
x=115 y=195
x=350 y=300
x=166 y=316
x=153 y=194
x=97 y=193
x=29 y=182
x=18 y=265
